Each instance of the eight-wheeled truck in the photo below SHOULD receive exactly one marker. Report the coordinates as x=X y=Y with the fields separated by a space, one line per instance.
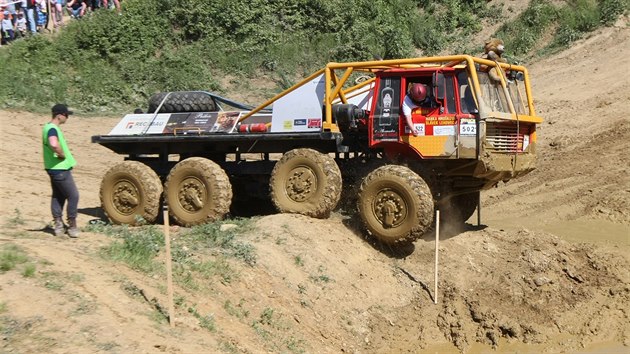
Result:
x=339 y=130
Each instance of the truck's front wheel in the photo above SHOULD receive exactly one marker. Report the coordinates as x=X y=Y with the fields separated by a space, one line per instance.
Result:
x=130 y=190
x=305 y=181
x=395 y=204
x=197 y=191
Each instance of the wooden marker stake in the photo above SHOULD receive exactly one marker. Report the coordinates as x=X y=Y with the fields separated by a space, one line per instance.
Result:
x=437 y=246
x=169 y=269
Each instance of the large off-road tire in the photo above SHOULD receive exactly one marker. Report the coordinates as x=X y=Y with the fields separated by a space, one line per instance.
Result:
x=182 y=101
x=307 y=182
x=197 y=191
x=130 y=190
x=458 y=209
x=395 y=204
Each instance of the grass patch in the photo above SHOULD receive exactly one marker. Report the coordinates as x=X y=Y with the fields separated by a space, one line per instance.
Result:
x=135 y=246
x=29 y=270
x=206 y=252
x=52 y=281
x=206 y=321
x=17 y=219
x=201 y=252
x=237 y=310
x=320 y=277
x=271 y=327
x=10 y=256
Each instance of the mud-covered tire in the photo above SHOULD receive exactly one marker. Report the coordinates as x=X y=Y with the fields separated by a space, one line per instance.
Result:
x=395 y=204
x=307 y=182
x=130 y=190
x=458 y=209
x=197 y=191
x=182 y=101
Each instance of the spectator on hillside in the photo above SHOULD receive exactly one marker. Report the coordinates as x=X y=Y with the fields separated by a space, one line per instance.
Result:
x=12 y=11
x=20 y=24
x=57 y=12
x=42 y=15
x=6 y=27
x=94 y=4
x=76 y=8
x=116 y=4
x=31 y=9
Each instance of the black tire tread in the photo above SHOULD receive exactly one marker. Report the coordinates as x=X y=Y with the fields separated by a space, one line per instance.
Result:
x=332 y=184
x=182 y=101
x=422 y=199
x=145 y=179
x=220 y=187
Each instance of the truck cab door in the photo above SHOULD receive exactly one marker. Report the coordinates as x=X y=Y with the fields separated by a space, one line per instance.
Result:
x=437 y=120
x=385 y=120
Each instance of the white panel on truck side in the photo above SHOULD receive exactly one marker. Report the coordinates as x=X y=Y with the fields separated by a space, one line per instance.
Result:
x=301 y=109
x=137 y=124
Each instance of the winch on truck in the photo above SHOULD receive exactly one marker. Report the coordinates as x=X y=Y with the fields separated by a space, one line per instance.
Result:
x=195 y=151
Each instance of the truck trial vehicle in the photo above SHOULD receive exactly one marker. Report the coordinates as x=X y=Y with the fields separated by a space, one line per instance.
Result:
x=339 y=134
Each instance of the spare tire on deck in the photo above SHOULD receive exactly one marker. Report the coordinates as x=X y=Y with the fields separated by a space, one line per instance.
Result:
x=182 y=101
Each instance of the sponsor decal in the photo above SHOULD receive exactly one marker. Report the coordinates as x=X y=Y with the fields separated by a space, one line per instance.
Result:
x=314 y=123
x=440 y=120
x=287 y=125
x=420 y=127
x=385 y=136
x=297 y=122
x=422 y=110
x=444 y=130
x=467 y=126
x=143 y=124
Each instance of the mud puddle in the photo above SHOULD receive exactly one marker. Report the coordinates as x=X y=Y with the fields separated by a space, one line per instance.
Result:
x=553 y=345
x=579 y=230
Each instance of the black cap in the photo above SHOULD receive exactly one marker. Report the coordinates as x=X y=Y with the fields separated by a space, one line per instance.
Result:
x=60 y=108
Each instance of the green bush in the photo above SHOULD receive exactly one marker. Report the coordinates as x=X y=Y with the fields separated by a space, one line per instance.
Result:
x=110 y=63
x=524 y=33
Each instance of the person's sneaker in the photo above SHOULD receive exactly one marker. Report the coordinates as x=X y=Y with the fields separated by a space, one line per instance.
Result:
x=58 y=227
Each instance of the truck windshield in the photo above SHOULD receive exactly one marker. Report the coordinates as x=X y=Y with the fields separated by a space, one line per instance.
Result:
x=494 y=98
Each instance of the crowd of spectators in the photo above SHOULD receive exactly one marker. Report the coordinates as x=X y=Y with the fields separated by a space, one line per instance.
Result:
x=21 y=18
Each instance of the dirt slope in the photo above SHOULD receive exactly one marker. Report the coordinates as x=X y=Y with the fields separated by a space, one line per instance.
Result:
x=521 y=283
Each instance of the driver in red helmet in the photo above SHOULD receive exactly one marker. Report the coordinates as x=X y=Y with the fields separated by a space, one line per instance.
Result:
x=416 y=97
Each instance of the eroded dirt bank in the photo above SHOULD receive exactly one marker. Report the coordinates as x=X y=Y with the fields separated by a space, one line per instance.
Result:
x=520 y=283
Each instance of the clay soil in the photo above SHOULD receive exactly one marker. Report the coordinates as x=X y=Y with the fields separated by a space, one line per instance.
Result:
x=548 y=269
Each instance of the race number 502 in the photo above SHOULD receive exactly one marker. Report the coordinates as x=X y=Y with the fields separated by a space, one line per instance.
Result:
x=467 y=129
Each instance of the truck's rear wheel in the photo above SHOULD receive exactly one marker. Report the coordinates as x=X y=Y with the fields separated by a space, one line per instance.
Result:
x=182 y=101
x=305 y=181
x=395 y=204
x=197 y=191
x=128 y=190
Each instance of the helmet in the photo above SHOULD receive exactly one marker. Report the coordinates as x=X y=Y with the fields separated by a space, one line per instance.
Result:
x=418 y=92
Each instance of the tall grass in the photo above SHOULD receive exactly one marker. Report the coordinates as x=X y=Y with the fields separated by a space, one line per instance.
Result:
x=107 y=63
x=200 y=253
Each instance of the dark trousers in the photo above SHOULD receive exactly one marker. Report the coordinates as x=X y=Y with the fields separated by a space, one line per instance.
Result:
x=63 y=188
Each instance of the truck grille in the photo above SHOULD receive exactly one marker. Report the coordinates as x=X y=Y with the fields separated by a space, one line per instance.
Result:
x=503 y=138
